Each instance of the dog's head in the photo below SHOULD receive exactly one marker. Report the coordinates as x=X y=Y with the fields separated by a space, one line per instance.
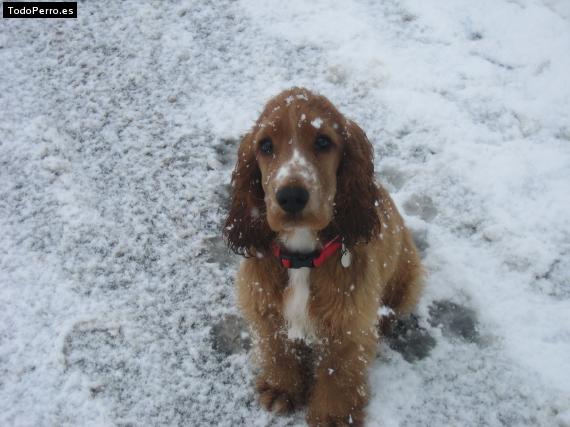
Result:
x=303 y=164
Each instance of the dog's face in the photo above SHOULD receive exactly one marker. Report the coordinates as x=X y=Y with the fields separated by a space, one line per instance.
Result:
x=298 y=145
x=302 y=165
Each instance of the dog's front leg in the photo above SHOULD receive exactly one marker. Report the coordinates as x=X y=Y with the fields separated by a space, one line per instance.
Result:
x=282 y=384
x=340 y=391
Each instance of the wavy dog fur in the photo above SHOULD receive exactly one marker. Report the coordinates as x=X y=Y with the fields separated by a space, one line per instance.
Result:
x=329 y=372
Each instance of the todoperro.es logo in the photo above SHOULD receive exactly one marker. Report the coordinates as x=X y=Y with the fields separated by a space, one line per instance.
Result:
x=52 y=9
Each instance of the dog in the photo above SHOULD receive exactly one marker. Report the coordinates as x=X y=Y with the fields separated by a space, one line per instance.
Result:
x=325 y=251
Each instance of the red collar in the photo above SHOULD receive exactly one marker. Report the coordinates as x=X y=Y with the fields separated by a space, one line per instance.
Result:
x=312 y=259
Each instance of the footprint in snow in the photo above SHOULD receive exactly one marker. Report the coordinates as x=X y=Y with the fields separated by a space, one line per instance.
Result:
x=407 y=337
x=226 y=151
x=230 y=336
x=456 y=321
x=421 y=206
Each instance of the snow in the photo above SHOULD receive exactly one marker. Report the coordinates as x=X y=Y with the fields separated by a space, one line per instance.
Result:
x=385 y=311
x=317 y=123
x=118 y=135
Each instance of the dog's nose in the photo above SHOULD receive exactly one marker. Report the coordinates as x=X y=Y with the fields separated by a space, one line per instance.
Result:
x=292 y=199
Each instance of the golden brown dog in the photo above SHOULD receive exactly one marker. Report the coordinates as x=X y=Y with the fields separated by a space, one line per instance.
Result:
x=325 y=247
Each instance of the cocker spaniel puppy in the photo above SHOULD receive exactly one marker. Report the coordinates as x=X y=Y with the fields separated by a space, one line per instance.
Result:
x=325 y=248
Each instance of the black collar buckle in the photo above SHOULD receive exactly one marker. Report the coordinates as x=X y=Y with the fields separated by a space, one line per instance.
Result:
x=298 y=260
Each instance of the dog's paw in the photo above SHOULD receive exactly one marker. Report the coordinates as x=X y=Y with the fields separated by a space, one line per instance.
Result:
x=354 y=419
x=274 y=399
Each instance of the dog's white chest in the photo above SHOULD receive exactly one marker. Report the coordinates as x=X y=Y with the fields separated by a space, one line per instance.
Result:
x=297 y=294
x=296 y=308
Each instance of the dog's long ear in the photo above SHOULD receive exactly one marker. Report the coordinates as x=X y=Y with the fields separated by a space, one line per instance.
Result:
x=357 y=194
x=246 y=229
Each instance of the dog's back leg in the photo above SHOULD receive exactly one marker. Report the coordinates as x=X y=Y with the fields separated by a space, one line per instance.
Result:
x=403 y=289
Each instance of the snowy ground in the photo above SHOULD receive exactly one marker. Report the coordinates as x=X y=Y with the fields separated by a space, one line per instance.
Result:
x=117 y=138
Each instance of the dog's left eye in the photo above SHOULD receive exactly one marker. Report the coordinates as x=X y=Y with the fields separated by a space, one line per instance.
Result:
x=322 y=143
x=266 y=146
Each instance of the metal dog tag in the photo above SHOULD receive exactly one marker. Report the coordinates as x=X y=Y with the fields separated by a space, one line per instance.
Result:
x=346 y=257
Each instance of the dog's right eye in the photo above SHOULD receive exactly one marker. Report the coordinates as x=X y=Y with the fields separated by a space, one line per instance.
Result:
x=322 y=143
x=266 y=146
